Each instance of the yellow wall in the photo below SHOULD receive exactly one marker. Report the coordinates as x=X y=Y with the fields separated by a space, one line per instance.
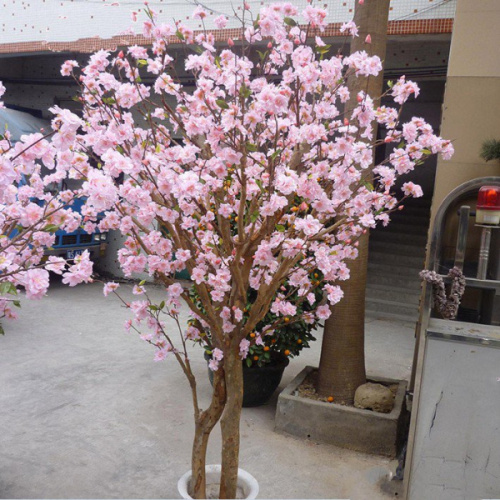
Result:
x=471 y=108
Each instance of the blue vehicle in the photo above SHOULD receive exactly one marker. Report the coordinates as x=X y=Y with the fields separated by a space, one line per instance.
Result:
x=70 y=245
x=67 y=245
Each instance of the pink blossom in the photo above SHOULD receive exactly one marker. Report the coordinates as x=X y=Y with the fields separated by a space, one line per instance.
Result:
x=350 y=27
x=55 y=264
x=67 y=67
x=140 y=309
x=411 y=189
x=213 y=365
x=161 y=354
x=334 y=294
x=402 y=90
x=323 y=312
x=220 y=21
x=315 y=16
x=244 y=346
x=109 y=288
x=36 y=283
x=80 y=272
x=199 y=13
x=309 y=225
x=217 y=354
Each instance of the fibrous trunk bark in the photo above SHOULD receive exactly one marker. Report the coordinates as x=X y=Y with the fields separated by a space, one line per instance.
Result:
x=342 y=363
x=230 y=422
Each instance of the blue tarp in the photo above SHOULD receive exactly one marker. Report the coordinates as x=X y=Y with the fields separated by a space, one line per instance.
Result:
x=19 y=123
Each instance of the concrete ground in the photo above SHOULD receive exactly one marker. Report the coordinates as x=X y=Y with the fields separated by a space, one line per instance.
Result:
x=86 y=413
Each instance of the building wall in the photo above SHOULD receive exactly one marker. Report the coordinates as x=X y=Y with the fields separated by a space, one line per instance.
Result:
x=471 y=114
x=471 y=109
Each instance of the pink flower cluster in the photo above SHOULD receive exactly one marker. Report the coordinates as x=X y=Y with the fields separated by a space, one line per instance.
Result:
x=270 y=182
x=30 y=213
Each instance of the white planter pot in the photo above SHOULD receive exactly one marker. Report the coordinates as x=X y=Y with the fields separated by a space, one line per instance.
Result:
x=246 y=482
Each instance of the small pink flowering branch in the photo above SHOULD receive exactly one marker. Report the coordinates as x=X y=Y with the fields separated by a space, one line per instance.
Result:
x=29 y=217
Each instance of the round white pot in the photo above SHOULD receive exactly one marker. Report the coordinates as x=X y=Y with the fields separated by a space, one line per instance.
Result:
x=246 y=482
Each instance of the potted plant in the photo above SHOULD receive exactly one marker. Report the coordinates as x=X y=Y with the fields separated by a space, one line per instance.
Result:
x=269 y=354
x=262 y=136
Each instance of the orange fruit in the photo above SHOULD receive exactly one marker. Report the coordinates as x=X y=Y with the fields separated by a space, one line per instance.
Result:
x=330 y=399
x=252 y=335
x=287 y=352
x=287 y=320
x=299 y=341
x=256 y=358
x=266 y=348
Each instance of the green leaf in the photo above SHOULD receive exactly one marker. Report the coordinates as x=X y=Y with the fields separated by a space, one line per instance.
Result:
x=254 y=216
x=143 y=282
x=248 y=361
x=7 y=287
x=17 y=303
x=259 y=183
x=262 y=55
x=108 y=100
x=289 y=21
x=142 y=62
x=222 y=104
x=179 y=35
x=368 y=185
x=52 y=228
x=256 y=22
x=275 y=154
x=245 y=91
x=324 y=49
x=251 y=147
x=280 y=228
x=2 y=331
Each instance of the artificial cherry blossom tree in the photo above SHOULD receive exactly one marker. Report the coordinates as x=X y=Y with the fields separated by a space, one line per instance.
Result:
x=30 y=214
x=250 y=177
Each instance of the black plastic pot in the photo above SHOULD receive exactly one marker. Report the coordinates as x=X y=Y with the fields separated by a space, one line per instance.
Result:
x=259 y=382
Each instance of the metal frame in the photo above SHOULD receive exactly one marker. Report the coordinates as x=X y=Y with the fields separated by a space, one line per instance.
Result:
x=459 y=193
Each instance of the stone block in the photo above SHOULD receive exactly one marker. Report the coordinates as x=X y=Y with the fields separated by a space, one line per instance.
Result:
x=343 y=426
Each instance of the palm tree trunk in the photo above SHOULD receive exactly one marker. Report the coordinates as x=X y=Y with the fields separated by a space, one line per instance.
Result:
x=342 y=363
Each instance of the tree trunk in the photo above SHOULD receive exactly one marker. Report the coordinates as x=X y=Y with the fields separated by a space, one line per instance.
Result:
x=342 y=363
x=230 y=422
x=204 y=423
